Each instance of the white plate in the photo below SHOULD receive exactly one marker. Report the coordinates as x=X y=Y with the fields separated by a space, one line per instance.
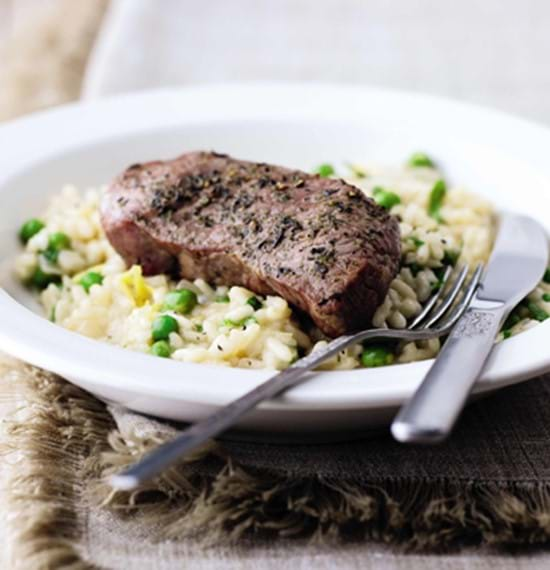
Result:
x=503 y=158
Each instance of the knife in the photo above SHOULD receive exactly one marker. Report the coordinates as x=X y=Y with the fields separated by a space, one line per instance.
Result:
x=516 y=266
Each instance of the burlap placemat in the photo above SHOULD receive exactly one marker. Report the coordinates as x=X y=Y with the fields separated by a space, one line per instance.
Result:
x=488 y=485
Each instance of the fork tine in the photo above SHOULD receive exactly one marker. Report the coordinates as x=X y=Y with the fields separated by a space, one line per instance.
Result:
x=451 y=319
x=448 y=300
x=432 y=300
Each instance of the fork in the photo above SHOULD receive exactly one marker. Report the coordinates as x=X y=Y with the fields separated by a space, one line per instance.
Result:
x=438 y=316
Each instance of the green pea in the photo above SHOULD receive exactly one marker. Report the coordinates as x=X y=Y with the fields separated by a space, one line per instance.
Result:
x=30 y=228
x=419 y=159
x=180 y=301
x=91 y=278
x=161 y=348
x=255 y=303
x=546 y=297
x=546 y=277
x=163 y=325
x=41 y=280
x=222 y=299
x=385 y=198
x=325 y=170
x=437 y=196
x=538 y=313
x=373 y=356
x=59 y=241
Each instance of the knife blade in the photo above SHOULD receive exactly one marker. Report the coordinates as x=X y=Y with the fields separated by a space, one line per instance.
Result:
x=517 y=264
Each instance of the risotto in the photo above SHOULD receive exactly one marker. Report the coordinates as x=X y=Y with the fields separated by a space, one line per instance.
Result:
x=85 y=286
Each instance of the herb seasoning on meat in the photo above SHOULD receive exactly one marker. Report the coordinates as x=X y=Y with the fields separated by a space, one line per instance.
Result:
x=318 y=242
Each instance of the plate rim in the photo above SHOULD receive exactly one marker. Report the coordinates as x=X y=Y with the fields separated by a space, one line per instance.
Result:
x=319 y=392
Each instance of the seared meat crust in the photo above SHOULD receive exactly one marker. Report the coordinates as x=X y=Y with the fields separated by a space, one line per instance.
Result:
x=317 y=242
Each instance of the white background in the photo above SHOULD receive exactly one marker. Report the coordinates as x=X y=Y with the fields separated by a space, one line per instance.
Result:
x=494 y=52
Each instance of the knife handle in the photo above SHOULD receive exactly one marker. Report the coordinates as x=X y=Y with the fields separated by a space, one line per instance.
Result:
x=429 y=416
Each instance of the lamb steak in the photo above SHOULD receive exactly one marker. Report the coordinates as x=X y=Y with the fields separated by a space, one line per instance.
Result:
x=317 y=242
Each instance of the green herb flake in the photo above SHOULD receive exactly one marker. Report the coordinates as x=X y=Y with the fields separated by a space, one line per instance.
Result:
x=415 y=268
x=242 y=323
x=440 y=274
x=229 y=323
x=255 y=303
x=50 y=254
x=450 y=257
x=385 y=198
x=513 y=319
x=437 y=196
x=416 y=241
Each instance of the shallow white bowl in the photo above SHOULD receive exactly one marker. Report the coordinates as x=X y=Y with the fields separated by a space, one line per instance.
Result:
x=501 y=157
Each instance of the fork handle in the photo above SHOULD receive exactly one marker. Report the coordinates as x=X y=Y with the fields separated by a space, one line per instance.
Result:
x=197 y=434
x=429 y=416
x=165 y=455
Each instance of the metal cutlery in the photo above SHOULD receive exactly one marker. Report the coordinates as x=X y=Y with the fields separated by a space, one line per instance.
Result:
x=517 y=264
x=437 y=318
